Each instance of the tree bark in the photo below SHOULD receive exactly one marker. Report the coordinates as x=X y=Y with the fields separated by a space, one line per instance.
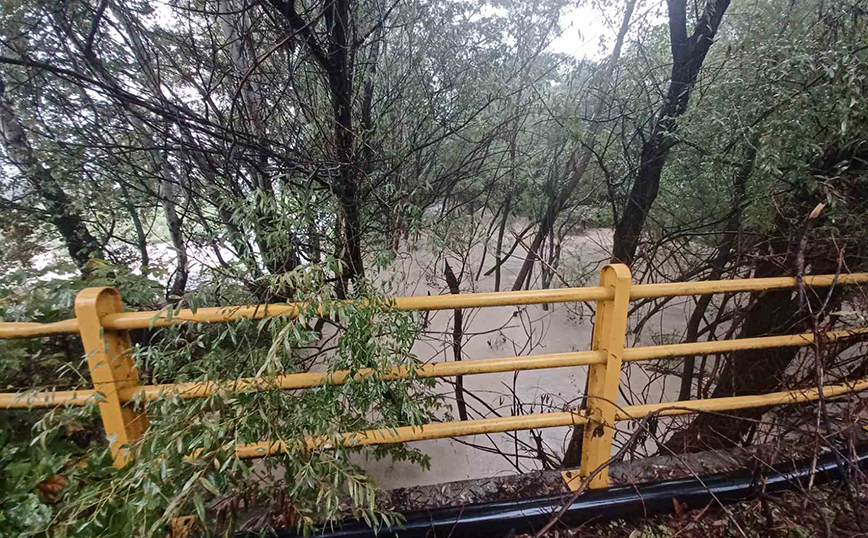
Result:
x=59 y=209
x=164 y=187
x=141 y=237
x=282 y=257
x=688 y=54
x=457 y=336
x=498 y=260
x=335 y=60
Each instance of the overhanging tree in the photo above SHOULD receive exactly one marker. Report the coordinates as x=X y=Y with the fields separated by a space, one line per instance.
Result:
x=688 y=54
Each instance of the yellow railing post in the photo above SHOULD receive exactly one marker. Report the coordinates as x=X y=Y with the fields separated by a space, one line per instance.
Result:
x=609 y=335
x=111 y=368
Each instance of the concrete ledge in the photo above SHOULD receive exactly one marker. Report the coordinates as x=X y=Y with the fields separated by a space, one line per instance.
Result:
x=537 y=483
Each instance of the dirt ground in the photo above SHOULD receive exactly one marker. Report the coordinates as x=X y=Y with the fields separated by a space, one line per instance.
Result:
x=823 y=512
x=818 y=511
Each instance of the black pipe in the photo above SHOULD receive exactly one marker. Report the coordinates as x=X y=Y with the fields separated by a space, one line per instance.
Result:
x=528 y=515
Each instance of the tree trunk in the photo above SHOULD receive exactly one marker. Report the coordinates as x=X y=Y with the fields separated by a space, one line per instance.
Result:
x=334 y=58
x=497 y=257
x=175 y=226
x=551 y=265
x=642 y=196
x=747 y=372
x=278 y=258
x=59 y=208
x=457 y=336
x=349 y=184
x=164 y=187
x=141 y=237
x=688 y=54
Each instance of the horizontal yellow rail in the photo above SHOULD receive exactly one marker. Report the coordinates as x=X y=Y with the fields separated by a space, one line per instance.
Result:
x=540 y=421
x=340 y=377
x=141 y=320
x=740 y=344
x=29 y=330
x=155 y=318
x=479 y=366
x=708 y=287
x=434 y=370
x=33 y=400
x=103 y=326
x=406 y=434
x=785 y=397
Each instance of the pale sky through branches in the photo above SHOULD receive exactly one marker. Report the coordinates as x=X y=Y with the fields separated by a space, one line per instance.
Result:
x=590 y=29
x=583 y=28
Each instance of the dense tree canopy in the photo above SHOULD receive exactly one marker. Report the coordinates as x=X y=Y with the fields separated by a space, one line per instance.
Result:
x=212 y=152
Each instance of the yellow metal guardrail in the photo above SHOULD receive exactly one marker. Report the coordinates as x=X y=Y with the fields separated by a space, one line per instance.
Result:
x=103 y=326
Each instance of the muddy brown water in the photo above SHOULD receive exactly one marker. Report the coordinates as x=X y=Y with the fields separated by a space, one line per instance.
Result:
x=509 y=331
